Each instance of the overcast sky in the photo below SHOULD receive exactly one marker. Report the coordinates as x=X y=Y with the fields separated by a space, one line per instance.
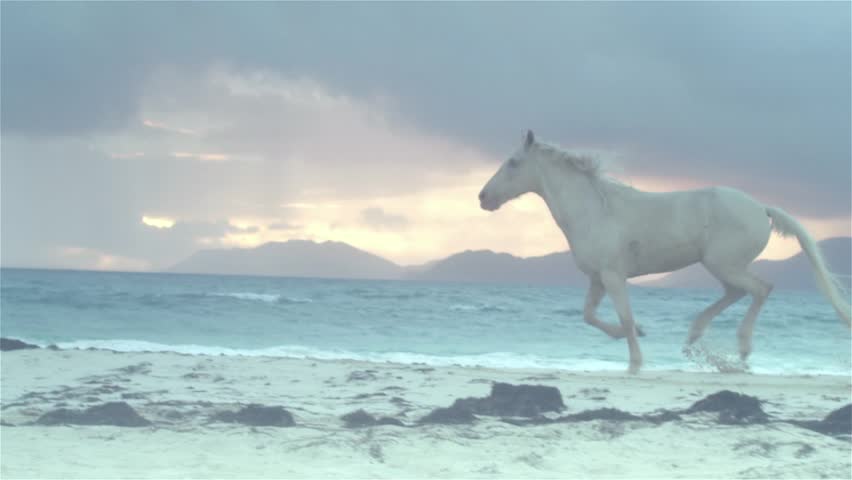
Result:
x=136 y=133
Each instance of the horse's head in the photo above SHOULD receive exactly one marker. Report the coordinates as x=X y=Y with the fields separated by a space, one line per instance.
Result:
x=518 y=175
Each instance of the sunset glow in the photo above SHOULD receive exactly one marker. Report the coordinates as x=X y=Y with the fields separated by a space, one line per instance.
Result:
x=448 y=220
x=158 y=222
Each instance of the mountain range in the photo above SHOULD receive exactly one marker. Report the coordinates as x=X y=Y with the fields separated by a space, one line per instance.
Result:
x=293 y=258
x=304 y=258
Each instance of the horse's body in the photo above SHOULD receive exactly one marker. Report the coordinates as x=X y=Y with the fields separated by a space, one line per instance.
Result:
x=616 y=232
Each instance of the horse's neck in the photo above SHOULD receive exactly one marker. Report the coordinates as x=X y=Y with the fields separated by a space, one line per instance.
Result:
x=576 y=201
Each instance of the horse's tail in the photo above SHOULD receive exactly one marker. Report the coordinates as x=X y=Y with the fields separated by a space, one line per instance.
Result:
x=786 y=225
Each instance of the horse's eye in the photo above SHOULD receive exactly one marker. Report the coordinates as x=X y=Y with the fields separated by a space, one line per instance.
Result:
x=513 y=162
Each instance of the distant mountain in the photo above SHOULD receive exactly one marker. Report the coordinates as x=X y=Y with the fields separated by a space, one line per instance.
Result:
x=302 y=258
x=794 y=273
x=294 y=258
x=485 y=266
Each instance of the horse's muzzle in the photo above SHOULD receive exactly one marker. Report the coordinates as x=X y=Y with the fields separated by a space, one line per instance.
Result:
x=487 y=203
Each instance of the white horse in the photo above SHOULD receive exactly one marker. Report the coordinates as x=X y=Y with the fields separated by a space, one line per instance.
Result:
x=616 y=232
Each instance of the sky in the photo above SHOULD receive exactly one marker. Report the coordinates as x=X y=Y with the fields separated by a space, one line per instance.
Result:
x=134 y=134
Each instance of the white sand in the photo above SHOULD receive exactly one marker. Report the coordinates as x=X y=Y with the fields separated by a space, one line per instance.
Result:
x=318 y=393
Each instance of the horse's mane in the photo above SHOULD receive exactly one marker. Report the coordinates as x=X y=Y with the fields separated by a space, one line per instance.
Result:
x=586 y=163
x=589 y=164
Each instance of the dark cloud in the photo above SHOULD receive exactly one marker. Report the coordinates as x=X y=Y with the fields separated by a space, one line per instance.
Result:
x=584 y=71
x=67 y=69
x=378 y=219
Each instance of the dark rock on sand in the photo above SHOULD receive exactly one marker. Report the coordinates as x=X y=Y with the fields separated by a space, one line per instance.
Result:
x=457 y=413
x=360 y=418
x=733 y=408
x=505 y=400
x=258 y=416
x=7 y=344
x=517 y=401
x=119 y=414
x=838 y=422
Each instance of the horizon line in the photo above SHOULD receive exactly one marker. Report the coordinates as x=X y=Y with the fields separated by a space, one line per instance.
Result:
x=166 y=271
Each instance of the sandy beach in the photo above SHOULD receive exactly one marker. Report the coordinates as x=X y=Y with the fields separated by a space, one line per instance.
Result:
x=182 y=394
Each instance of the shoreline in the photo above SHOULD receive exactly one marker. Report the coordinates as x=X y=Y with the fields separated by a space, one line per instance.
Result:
x=700 y=359
x=180 y=393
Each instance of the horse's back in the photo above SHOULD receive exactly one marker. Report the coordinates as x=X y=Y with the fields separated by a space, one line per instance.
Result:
x=671 y=230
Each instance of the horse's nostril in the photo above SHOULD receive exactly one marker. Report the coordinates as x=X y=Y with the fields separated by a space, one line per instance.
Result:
x=481 y=196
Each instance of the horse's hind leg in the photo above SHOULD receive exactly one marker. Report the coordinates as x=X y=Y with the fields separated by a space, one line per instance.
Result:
x=759 y=290
x=732 y=295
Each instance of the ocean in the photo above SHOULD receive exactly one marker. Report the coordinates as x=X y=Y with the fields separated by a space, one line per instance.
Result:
x=500 y=326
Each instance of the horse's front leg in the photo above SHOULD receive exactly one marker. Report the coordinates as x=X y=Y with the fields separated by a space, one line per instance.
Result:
x=593 y=299
x=616 y=287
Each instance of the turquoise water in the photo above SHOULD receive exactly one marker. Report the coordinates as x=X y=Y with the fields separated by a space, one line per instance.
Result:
x=440 y=324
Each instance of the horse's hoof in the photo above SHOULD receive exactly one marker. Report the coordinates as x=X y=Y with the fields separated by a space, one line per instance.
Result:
x=634 y=369
x=745 y=348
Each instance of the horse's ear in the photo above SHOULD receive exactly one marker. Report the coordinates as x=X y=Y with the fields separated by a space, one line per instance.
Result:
x=530 y=139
